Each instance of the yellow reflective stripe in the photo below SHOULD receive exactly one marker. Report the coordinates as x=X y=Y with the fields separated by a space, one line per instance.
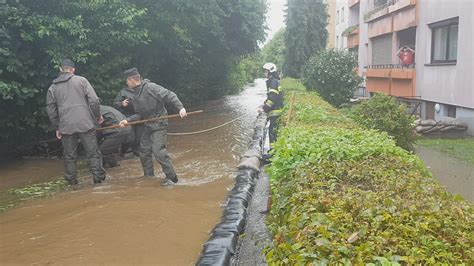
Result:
x=275 y=91
x=275 y=112
x=269 y=103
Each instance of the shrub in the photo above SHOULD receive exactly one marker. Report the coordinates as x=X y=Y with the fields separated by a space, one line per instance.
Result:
x=383 y=113
x=331 y=73
x=343 y=194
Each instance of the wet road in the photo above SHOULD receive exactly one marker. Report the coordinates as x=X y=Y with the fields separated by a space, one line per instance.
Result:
x=131 y=219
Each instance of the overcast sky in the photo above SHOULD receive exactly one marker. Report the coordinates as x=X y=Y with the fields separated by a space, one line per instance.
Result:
x=275 y=17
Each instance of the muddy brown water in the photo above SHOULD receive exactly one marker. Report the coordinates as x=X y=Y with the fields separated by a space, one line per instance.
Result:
x=130 y=219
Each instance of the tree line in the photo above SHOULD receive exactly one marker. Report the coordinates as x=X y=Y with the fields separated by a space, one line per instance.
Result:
x=199 y=49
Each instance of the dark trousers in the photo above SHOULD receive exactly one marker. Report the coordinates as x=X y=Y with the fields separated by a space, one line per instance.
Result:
x=133 y=140
x=153 y=142
x=111 y=144
x=272 y=129
x=89 y=142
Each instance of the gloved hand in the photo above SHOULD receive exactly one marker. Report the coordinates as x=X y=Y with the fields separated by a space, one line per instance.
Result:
x=182 y=113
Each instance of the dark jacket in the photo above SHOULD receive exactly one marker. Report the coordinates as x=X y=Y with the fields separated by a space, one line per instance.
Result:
x=149 y=102
x=125 y=93
x=112 y=117
x=274 y=103
x=72 y=104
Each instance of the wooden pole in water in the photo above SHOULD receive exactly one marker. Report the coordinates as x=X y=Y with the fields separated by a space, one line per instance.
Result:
x=148 y=120
x=133 y=123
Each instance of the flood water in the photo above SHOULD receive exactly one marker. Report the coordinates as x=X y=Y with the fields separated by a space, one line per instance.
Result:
x=130 y=219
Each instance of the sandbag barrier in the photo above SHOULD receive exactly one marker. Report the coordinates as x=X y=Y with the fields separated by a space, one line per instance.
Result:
x=221 y=246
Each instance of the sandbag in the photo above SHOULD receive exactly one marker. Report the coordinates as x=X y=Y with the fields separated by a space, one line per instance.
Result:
x=214 y=255
x=249 y=163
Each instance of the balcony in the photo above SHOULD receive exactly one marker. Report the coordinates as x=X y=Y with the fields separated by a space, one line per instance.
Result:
x=394 y=80
x=381 y=8
x=353 y=3
x=352 y=34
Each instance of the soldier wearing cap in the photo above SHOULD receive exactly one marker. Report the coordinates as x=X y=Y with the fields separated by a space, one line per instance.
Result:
x=149 y=101
x=73 y=109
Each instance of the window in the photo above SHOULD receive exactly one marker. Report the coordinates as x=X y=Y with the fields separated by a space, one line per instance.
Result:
x=378 y=3
x=444 y=41
x=382 y=50
x=342 y=15
x=337 y=17
x=337 y=42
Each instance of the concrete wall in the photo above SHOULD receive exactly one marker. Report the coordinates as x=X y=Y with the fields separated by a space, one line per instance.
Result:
x=448 y=84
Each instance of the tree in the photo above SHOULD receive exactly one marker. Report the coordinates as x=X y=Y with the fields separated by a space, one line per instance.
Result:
x=331 y=73
x=306 y=33
x=273 y=50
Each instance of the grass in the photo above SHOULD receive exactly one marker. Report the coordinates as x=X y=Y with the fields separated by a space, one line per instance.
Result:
x=462 y=149
x=13 y=197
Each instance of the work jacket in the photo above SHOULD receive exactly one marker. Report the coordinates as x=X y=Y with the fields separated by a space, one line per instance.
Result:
x=125 y=93
x=149 y=102
x=72 y=104
x=112 y=117
x=274 y=103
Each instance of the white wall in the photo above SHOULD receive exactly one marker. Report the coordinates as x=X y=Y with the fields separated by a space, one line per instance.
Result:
x=341 y=25
x=449 y=84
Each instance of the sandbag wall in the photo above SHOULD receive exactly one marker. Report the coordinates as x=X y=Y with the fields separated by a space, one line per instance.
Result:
x=222 y=243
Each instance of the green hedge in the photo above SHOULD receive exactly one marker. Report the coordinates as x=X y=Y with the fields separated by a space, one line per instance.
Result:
x=347 y=195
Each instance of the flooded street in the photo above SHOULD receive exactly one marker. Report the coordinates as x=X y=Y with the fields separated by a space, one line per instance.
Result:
x=130 y=219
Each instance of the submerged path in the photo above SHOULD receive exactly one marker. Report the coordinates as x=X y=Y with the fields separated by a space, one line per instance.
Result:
x=130 y=219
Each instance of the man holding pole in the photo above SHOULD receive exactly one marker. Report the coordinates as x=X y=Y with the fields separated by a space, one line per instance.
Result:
x=73 y=109
x=149 y=102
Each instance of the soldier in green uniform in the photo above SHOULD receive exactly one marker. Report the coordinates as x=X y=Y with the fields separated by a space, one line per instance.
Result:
x=149 y=101
x=112 y=139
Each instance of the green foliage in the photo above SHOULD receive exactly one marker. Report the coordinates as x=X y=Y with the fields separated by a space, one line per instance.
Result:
x=332 y=74
x=273 y=51
x=459 y=148
x=291 y=84
x=305 y=34
x=247 y=70
x=187 y=46
x=346 y=195
x=383 y=113
x=12 y=197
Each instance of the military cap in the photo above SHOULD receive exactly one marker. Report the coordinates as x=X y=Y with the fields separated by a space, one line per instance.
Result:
x=131 y=72
x=68 y=63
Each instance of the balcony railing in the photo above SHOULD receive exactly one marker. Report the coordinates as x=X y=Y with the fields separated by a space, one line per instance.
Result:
x=390 y=66
x=378 y=8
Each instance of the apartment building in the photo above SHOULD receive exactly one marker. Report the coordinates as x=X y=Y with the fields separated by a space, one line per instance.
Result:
x=440 y=33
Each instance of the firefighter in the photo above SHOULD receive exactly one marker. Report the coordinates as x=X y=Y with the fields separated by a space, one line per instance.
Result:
x=273 y=104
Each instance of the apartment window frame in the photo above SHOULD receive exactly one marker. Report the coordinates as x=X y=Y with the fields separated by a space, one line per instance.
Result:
x=448 y=23
x=342 y=14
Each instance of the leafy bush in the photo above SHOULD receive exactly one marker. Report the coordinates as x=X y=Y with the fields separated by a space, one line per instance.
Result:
x=331 y=73
x=383 y=113
x=347 y=195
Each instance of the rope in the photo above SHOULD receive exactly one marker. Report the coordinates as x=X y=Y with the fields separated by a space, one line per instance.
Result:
x=207 y=130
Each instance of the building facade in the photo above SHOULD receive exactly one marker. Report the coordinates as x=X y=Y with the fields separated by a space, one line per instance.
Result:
x=331 y=27
x=341 y=24
x=437 y=69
